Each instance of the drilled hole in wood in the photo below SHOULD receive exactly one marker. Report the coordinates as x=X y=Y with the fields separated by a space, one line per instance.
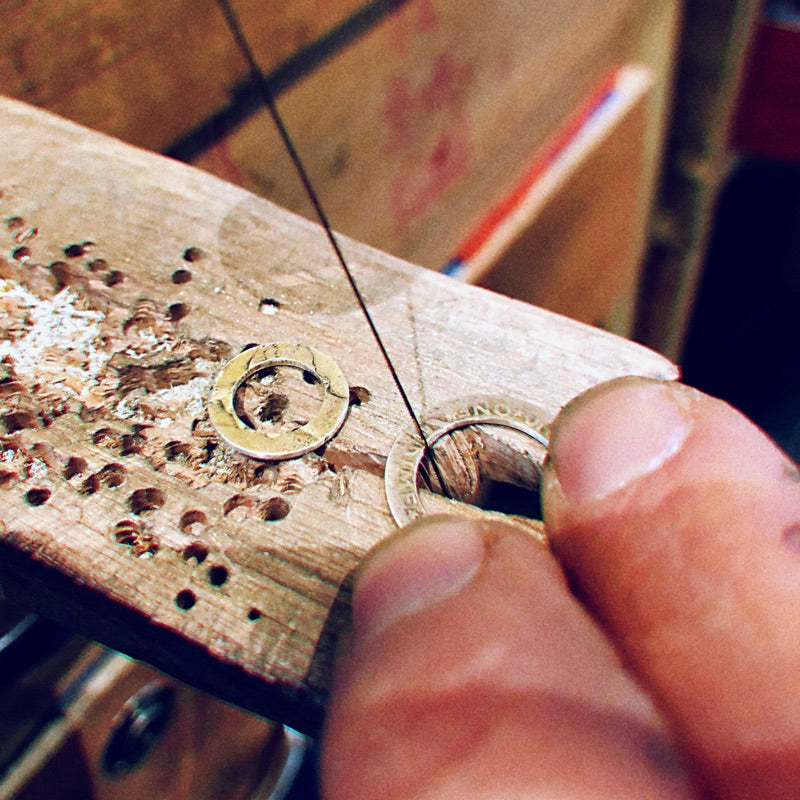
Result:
x=274 y=509
x=97 y=265
x=181 y=276
x=112 y=475
x=114 y=278
x=126 y=532
x=130 y=444
x=144 y=317
x=75 y=466
x=45 y=452
x=147 y=547
x=192 y=254
x=37 y=497
x=240 y=501
x=60 y=272
x=90 y=485
x=177 y=311
x=142 y=500
x=107 y=438
x=254 y=614
x=185 y=599
x=175 y=450
x=197 y=551
x=7 y=476
x=217 y=574
x=76 y=250
x=21 y=253
x=273 y=407
x=269 y=305
x=270 y=407
x=24 y=236
x=142 y=544
x=19 y=420
x=265 y=473
x=9 y=387
x=192 y=520
x=491 y=467
x=507 y=498
x=359 y=395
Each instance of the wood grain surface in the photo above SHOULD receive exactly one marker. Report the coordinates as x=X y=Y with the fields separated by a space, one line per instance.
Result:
x=128 y=280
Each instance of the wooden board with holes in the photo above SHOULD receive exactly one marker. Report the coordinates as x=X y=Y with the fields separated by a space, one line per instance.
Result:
x=149 y=72
x=127 y=281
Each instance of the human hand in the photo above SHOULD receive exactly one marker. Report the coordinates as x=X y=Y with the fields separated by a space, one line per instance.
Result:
x=473 y=672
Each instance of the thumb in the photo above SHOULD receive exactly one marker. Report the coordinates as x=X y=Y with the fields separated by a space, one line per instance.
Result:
x=472 y=672
x=679 y=525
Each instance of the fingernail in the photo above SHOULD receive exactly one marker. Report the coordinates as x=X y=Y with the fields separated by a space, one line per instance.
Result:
x=413 y=569
x=617 y=433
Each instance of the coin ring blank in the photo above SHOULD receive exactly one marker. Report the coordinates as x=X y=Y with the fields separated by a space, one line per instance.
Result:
x=408 y=450
x=277 y=447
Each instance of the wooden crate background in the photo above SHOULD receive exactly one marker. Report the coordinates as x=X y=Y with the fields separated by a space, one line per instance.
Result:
x=413 y=118
x=420 y=126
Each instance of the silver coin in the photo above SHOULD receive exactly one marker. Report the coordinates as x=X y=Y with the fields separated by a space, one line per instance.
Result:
x=408 y=450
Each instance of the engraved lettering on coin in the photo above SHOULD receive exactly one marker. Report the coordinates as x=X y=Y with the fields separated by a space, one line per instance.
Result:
x=408 y=450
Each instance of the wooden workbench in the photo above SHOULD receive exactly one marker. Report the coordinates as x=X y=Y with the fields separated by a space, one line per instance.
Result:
x=127 y=281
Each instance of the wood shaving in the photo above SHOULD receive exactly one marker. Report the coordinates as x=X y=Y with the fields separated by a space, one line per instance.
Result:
x=52 y=327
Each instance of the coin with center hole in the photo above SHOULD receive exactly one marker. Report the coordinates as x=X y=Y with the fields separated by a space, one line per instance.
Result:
x=233 y=430
x=408 y=450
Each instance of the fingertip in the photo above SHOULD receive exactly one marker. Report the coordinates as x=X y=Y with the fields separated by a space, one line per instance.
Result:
x=415 y=568
x=472 y=668
x=635 y=438
x=615 y=434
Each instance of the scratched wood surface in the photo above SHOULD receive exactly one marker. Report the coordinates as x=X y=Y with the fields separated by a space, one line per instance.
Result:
x=127 y=281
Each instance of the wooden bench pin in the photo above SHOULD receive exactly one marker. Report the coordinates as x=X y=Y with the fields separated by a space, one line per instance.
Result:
x=123 y=513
